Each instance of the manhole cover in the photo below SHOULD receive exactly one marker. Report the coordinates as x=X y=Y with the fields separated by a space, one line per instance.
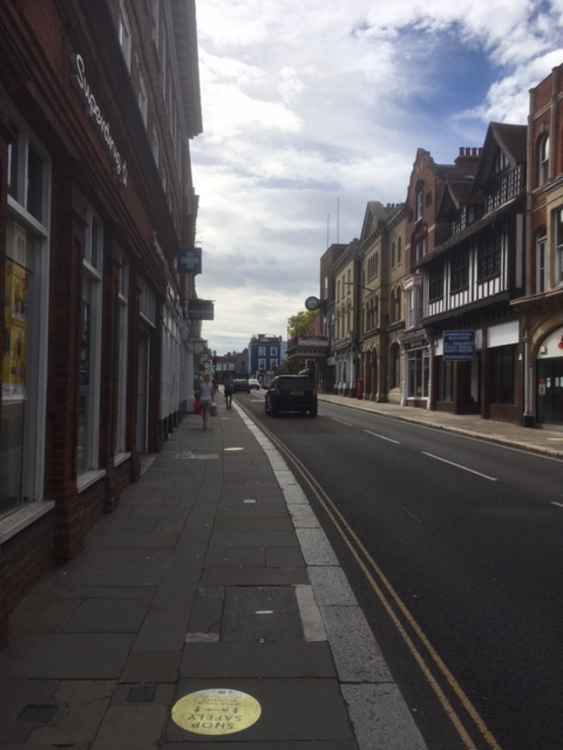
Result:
x=216 y=712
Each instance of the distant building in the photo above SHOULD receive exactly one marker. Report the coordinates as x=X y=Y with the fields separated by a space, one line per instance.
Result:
x=264 y=355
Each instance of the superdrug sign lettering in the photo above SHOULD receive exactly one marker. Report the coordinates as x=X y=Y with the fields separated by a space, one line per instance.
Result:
x=118 y=163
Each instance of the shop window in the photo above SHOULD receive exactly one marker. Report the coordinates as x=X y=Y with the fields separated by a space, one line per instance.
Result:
x=90 y=346
x=459 y=272
x=445 y=371
x=488 y=260
x=122 y=341
x=395 y=366
x=543 y=160
x=418 y=374
x=436 y=284
x=503 y=364
x=23 y=360
x=541 y=244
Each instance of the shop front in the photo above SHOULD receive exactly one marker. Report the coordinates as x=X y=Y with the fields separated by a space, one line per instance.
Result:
x=549 y=380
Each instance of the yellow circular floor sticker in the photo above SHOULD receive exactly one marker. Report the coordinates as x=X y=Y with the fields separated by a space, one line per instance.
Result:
x=219 y=711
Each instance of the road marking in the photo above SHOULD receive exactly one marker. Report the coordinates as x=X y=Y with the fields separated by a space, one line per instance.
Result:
x=559 y=505
x=382 y=437
x=341 y=421
x=460 y=466
x=264 y=611
x=356 y=545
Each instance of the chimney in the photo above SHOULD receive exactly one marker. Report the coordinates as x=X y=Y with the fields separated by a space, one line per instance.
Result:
x=468 y=154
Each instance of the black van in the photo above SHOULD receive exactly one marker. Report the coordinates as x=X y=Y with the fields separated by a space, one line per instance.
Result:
x=291 y=393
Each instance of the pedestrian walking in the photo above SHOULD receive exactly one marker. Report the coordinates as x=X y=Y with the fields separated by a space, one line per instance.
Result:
x=205 y=396
x=229 y=390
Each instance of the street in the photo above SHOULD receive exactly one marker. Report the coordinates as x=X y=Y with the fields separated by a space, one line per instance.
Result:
x=468 y=536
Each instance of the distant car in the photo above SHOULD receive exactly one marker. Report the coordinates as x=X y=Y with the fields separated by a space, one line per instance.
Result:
x=241 y=384
x=254 y=384
x=291 y=393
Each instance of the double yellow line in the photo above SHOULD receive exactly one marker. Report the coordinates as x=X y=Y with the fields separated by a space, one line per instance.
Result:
x=393 y=605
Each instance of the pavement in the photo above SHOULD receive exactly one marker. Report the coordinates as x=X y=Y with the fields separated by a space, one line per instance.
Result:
x=212 y=574
x=541 y=440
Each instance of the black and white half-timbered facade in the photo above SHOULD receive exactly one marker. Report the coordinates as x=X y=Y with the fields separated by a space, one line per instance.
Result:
x=475 y=270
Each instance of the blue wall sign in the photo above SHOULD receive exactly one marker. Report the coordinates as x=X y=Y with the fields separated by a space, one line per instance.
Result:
x=459 y=346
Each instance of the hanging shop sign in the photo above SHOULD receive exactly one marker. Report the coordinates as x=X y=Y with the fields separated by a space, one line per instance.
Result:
x=189 y=260
x=459 y=346
x=200 y=309
x=94 y=111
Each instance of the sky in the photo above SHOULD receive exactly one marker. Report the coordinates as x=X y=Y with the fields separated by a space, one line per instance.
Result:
x=312 y=103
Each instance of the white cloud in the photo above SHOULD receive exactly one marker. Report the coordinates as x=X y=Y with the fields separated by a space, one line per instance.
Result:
x=304 y=101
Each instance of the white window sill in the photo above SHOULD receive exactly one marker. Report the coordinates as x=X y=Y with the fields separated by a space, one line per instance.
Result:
x=88 y=479
x=120 y=458
x=20 y=519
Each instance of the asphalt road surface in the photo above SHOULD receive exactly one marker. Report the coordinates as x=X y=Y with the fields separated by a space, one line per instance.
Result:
x=470 y=535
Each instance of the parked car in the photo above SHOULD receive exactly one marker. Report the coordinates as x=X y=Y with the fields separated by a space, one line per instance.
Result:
x=254 y=384
x=241 y=384
x=291 y=393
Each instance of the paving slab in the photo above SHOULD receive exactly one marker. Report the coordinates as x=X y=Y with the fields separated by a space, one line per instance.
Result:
x=258 y=660
x=254 y=538
x=152 y=666
x=239 y=556
x=163 y=694
x=71 y=656
x=250 y=522
x=315 y=547
x=284 y=557
x=260 y=613
x=223 y=575
x=207 y=610
x=291 y=710
x=381 y=718
x=303 y=516
x=136 y=726
x=81 y=708
x=107 y=616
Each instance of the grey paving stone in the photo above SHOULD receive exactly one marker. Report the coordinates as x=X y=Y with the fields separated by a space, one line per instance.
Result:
x=136 y=726
x=253 y=556
x=107 y=616
x=164 y=694
x=71 y=656
x=207 y=610
x=82 y=705
x=122 y=567
x=357 y=654
x=165 y=634
x=248 y=522
x=381 y=718
x=284 y=557
x=254 y=538
x=255 y=660
x=222 y=575
x=315 y=547
x=152 y=666
x=331 y=586
x=291 y=710
x=242 y=623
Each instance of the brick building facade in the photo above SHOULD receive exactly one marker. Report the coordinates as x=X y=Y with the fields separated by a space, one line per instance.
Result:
x=97 y=105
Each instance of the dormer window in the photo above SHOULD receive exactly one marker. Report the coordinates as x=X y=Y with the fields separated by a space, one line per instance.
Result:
x=543 y=160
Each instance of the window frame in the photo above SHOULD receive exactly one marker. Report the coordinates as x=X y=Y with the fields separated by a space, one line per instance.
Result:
x=122 y=325
x=541 y=263
x=459 y=272
x=543 y=159
x=125 y=39
x=489 y=260
x=435 y=294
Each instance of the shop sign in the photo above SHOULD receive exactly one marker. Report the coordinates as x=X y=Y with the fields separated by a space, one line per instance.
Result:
x=118 y=163
x=189 y=260
x=200 y=309
x=459 y=346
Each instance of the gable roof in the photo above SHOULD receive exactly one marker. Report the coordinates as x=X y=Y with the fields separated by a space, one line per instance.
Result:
x=510 y=138
x=457 y=193
x=375 y=212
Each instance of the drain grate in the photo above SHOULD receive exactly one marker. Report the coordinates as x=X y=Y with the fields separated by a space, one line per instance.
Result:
x=141 y=694
x=37 y=713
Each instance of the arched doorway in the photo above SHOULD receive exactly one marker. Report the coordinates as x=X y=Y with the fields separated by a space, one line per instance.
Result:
x=549 y=379
x=373 y=370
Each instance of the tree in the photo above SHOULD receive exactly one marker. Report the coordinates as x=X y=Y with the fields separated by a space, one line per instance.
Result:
x=301 y=323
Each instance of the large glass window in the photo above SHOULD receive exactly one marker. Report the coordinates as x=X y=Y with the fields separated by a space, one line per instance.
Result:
x=445 y=371
x=23 y=360
x=122 y=339
x=418 y=374
x=489 y=260
x=395 y=366
x=90 y=346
